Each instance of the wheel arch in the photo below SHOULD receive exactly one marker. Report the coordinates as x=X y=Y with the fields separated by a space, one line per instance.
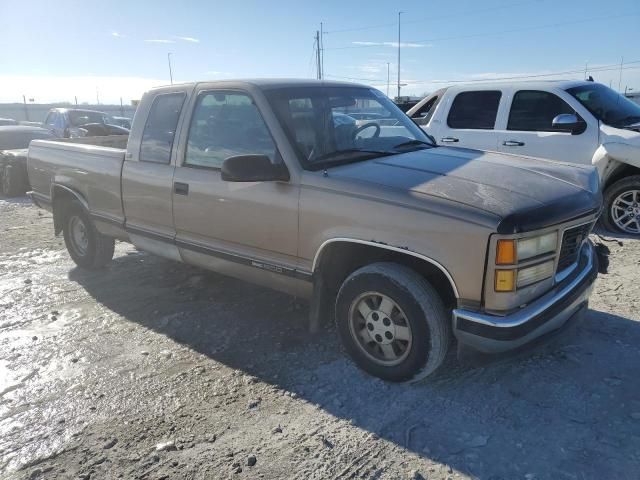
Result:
x=336 y=258
x=621 y=171
x=61 y=196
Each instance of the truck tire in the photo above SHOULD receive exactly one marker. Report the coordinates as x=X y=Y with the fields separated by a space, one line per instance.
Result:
x=622 y=206
x=12 y=182
x=87 y=247
x=392 y=322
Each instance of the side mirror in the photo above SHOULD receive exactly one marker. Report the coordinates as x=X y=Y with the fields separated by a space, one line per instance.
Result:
x=569 y=122
x=253 y=168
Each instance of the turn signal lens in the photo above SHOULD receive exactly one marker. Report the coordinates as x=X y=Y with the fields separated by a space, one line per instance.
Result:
x=505 y=280
x=506 y=252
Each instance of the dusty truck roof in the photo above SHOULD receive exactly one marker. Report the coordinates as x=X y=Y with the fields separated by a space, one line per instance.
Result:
x=266 y=83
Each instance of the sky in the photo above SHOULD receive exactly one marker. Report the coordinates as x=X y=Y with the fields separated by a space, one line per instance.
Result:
x=109 y=49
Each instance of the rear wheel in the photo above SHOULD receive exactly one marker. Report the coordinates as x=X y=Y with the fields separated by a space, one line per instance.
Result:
x=622 y=203
x=87 y=247
x=392 y=322
x=12 y=182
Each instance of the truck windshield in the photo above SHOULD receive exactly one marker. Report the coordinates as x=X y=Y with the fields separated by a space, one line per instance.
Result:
x=78 y=118
x=336 y=125
x=607 y=105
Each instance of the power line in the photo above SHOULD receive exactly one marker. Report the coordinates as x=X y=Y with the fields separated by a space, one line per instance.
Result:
x=603 y=68
x=501 y=32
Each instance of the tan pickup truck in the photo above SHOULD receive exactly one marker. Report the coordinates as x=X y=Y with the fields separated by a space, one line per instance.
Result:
x=327 y=190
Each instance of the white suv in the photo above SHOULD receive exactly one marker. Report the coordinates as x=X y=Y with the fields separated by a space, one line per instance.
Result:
x=571 y=121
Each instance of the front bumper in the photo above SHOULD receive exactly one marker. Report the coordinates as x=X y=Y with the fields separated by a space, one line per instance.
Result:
x=492 y=333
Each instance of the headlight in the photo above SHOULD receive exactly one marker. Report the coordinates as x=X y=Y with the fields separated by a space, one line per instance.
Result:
x=531 y=275
x=534 y=246
x=510 y=252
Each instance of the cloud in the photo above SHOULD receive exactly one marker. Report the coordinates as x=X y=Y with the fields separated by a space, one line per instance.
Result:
x=371 y=68
x=392 y=44
x=188 y=39
x=159 y=40
x=118 y=35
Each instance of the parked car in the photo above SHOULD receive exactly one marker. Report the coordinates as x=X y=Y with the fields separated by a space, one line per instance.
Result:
x=75 y=122
x=14 y=141
x=7 y=121
x=406 y=243
x=121 y=122
x=580 y=122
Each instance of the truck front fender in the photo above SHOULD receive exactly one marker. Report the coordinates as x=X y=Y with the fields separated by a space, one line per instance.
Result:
x=608 y=156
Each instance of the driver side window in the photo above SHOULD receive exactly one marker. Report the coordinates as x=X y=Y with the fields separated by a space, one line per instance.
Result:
x=226 y=124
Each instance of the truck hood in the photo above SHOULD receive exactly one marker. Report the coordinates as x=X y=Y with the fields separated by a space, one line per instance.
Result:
x=525 y=193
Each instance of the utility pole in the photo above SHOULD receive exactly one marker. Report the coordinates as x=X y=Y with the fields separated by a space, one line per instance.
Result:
x=388 y=78
x=321 y=47
x=399 y=13
x=170 y=71
x=97 y=96
x=121 y=108
x=585 y=70
x=620 y=77
x=76 y=99
x=318 y=61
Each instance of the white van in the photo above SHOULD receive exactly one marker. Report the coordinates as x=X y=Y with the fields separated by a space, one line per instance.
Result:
x=571 y=121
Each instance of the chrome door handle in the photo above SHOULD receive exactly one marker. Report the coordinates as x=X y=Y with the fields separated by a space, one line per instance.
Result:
x=513 y=143
x=449 y=140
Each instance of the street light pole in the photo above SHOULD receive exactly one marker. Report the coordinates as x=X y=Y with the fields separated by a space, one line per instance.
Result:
x=399 y=13
x=170 y=71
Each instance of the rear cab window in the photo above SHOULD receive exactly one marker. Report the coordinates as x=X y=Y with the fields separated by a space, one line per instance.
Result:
x=534 y=111
x=475 y=110
x=160 y=128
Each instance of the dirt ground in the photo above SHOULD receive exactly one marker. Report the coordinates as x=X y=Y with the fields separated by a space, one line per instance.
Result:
x=156 y=370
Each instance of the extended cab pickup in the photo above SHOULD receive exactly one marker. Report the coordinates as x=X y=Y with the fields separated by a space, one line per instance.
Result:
x=571 y=121
x=274 y=182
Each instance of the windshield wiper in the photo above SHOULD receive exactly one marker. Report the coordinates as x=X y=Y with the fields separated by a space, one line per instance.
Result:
x=410 y=143
x=348 y=156
x=628 y=120
x=338 y=154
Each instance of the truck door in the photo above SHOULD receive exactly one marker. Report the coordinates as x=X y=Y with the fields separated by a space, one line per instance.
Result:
x=470 y=121
x=529 y=131
x=219 y=223
x=147 y=177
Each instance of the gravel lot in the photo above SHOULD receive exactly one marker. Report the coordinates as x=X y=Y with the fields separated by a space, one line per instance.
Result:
x=152 y=369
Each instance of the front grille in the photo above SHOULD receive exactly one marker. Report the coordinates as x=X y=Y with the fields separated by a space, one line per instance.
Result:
x=571 y=243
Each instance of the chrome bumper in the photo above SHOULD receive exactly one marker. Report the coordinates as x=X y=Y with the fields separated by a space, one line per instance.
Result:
x=493 y=333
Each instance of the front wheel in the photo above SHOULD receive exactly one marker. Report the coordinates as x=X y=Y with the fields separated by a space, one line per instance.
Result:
x=622 y=203
x=87 y=247
x=392 y=322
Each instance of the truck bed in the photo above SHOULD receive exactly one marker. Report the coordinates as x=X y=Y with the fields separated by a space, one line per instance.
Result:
x=91 y=170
